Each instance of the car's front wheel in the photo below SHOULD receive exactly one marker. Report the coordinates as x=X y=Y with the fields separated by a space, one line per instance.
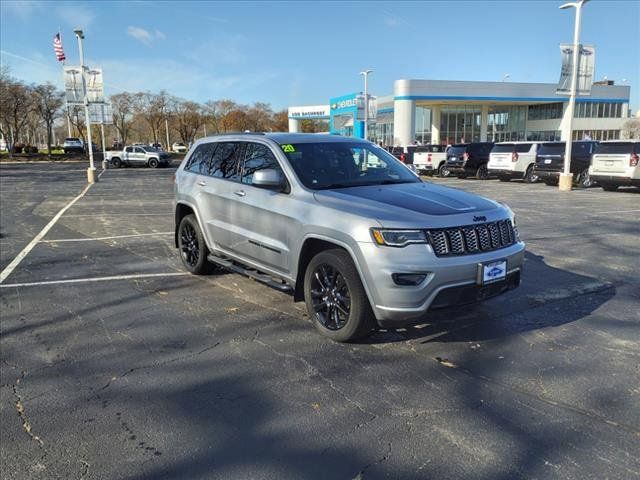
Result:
x=153 y=162
x=192 y=247
x=116 y=162
x=336 y=300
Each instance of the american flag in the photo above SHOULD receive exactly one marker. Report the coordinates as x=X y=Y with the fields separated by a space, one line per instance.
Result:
x=57 y=47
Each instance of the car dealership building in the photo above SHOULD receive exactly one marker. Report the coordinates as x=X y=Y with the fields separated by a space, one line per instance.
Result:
x=446 y=112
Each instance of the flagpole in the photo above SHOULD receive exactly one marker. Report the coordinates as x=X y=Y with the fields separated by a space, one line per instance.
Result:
x=65 y=93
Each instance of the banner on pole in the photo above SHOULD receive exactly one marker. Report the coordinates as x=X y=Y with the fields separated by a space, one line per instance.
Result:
x=100 y=113
x=372 y=108
x=73 y=85
x=586 y=65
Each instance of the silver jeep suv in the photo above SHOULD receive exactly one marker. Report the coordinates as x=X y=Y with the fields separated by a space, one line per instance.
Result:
x=344 y=226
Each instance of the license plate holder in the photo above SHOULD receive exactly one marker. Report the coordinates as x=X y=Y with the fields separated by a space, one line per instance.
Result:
x=492 y=272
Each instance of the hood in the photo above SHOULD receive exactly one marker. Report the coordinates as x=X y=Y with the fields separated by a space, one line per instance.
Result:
x=405 y=202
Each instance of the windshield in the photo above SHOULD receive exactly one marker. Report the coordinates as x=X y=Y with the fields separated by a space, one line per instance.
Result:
x=338 y=165
x=150 y=149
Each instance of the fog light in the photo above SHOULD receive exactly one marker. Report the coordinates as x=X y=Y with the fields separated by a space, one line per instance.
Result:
x=408 y=279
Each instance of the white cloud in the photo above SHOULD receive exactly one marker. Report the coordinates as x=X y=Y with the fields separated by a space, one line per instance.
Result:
x=145 y=36
x=76 y=16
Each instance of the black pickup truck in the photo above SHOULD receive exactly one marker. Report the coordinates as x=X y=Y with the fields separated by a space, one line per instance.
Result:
x=550 y=162
x=464 y=159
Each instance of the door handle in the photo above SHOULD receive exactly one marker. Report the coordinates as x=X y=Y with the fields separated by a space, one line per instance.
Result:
x=202 y=183
x=240 y=193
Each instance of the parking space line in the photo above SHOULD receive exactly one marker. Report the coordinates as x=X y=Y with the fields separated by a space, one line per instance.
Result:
x=119 y=214
x=96 y=279
x=25 y=251
x=105 y=238
x=617 y=211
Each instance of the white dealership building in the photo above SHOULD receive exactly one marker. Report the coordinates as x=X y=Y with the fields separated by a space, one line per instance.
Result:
x=446 y=112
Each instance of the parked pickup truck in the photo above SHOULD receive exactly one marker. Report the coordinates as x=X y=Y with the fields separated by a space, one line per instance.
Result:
x=430 y=159
x=616 y=163
x=550 y=162
x=142 y=155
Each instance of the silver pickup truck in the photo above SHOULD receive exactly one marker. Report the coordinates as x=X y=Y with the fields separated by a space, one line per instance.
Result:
x=343 y=225
x=141 y=155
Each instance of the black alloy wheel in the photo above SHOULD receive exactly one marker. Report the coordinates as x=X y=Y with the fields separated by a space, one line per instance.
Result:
x=193 y=250
x=530 y=175
x=584 y=179
x=443 y=170
x=330 y=297
x=482 y=173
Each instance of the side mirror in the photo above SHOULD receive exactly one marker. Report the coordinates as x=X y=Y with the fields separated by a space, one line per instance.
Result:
x=268 y=178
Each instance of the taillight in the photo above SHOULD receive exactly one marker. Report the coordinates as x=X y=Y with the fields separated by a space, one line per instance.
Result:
x=514 y=157
x=465 y=157
x=429 y=158
x=633 y=162
x=402 y=158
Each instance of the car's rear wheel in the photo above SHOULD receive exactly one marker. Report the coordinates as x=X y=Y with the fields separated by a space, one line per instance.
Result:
x=482 y=173
x=584 y=179
x=609 y=187
x=153 y=162
x=336 y=300
x=443 y=171
x=530 y=175
x=116 y=162
x=192 y=247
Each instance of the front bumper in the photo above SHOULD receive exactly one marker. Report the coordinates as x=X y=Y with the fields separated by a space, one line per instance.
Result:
x=450 y=280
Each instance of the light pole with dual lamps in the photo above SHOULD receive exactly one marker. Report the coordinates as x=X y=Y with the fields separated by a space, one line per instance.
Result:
x=91 y=171
x=566 y=178
x=366 y=73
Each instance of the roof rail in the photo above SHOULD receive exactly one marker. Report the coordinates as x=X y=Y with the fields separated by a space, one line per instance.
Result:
x=246 y=132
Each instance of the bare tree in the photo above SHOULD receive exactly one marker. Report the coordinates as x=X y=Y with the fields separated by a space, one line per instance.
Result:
x=188 y=118
x=153 y=108
x=631 y=128
x=48 y=102
x=77 y=120
x=15 y=107
x=259 y=117
x=122 y=105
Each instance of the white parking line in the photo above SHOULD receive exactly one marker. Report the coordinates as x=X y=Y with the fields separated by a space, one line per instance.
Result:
x=617 y=211
x=25 y=251
x=105 y=238
x=116 y=214
x=96 y=279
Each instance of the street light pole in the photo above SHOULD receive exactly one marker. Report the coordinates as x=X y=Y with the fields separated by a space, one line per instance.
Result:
x=566 y=177
x=166 y=129
x=91 y=171
x=366 y=101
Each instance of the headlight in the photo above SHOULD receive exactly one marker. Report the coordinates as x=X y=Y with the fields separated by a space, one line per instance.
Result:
x=397 y=238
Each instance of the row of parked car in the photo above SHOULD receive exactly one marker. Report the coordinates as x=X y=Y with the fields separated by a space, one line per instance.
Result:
x=610 y=164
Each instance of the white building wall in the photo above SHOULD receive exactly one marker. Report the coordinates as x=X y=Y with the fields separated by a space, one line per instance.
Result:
x=404 y=123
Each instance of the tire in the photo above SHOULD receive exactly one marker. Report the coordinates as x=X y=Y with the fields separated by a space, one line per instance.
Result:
x=335 y=298
x=609 y=187
x=443 y=171
x=584 y=179
x=530 y=175
x=482 y=173
x=153 y=162
x=116 y=162
x=192 y=247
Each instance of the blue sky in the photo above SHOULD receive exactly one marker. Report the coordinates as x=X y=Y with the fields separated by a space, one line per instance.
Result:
x=303 y=53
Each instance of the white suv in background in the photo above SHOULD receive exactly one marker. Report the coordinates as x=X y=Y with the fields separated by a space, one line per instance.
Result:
x=516 y=160
x=616 y=163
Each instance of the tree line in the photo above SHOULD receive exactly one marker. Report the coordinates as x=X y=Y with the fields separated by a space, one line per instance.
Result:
x=31 y=113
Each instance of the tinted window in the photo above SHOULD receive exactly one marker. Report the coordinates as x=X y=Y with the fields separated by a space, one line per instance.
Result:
x=257 y=157
x=200 y=159
x=552 y=149
x=508 y=148
x=523 y=147
x=225 y=161
x=138 y=150
x=128 y=149
x=618 y=147
x=457 y=150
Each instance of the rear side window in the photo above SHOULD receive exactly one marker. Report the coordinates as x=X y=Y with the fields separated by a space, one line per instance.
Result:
x=225 y=163
x=200 y=160
x=129 y=149
x=523 y=147
x=618 y=147
x=257 y=157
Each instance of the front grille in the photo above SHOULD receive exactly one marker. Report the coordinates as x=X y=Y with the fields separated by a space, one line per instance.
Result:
x=469 y=239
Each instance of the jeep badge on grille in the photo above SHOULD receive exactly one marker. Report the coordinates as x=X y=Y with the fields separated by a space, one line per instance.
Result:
x=481 y=218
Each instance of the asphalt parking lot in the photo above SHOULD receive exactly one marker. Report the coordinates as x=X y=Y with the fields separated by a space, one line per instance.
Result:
x=116 y=364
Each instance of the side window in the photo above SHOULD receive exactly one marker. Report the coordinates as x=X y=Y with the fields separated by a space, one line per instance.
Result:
x=225 y=162
x=138 y=150
x=257 y=157
x=128 y=149
x=200 y=160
